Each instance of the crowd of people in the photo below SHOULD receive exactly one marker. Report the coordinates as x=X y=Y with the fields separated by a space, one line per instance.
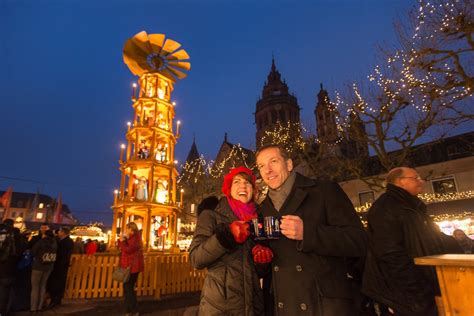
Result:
x=89 y=247
x=322 y=262
x=33 y=271
x=325 y=263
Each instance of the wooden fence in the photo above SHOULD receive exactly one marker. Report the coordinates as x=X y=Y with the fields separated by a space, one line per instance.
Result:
x=91 y=276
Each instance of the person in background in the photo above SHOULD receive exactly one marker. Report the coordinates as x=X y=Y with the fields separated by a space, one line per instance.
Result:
x=11 y=247
x=220 y=244
x=44 y=227
x=400 y=230
x=466 y=243
x=91 y=247
x=131 y=248
x=44 y=254
x=22 y=287
x=57 y=279
x=78 y=246
x=102 y=247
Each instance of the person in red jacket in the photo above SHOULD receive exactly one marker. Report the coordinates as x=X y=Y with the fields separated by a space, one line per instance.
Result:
x=91 y=247
x=131 y=247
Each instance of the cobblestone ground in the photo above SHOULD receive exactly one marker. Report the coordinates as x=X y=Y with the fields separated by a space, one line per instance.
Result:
x=175 y=305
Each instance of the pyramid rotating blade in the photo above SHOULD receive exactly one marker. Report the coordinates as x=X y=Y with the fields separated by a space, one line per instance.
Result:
x=133 y=51
x=165 y=72
x=170 y=46
x=180 y=54
x=177 y=73
x=180 y=64
x=141 y=40
x=156 y=42
x=136 y=69
x=138 y=58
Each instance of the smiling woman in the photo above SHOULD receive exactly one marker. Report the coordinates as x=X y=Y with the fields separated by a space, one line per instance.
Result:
x=242 y=188
x=221 y=245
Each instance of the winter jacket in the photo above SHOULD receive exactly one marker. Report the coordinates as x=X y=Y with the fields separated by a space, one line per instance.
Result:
x=91 y=248
x=231 y=286
x=132 y=253
x=48 y=244
x=8 y=267
x=399 y=230
x=306 y=272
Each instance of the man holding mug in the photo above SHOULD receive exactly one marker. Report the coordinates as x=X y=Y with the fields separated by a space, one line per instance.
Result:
x=320 y=230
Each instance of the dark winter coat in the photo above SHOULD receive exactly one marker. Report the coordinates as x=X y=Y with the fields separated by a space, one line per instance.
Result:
x=132 y=253
x=304 y=272
x=8 y=267
x=57 y=279
x=37 y=251
x=231 y=286
x=400 y=230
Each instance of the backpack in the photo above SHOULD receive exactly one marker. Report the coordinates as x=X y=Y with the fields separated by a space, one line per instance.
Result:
x=7 y=243
x=47 y=252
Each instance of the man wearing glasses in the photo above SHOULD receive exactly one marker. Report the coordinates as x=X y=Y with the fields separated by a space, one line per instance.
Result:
x=399 y=230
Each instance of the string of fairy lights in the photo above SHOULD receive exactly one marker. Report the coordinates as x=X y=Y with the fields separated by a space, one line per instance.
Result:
x=431 y=198
x=193 y=171
x=419 y=86
x=424 y=80
x=288 y=135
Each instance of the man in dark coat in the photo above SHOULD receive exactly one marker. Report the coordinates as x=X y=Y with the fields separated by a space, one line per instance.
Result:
x=8 y=263
x=320 y=231
x=400 y=230
x=58 y=277
x=43 y=228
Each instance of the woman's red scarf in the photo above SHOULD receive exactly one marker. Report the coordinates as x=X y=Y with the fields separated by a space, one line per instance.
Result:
x=244 y=211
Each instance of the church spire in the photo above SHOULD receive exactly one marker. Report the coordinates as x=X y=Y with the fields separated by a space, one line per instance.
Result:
x=274 y=84
x=326 y=126
x=276 y=106
x=193 y=152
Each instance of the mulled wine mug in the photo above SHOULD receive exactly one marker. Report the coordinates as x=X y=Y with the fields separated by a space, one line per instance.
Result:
x=269 y=229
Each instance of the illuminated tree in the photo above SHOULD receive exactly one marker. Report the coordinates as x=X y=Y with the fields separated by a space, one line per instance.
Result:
x=201 y=178
x=415 y=95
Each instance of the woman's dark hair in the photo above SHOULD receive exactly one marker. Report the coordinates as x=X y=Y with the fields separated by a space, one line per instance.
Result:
x=133 y=226
x=244 y=175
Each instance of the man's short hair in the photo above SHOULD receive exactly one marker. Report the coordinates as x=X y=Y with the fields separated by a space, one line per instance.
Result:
x=393 y=175
x=282 y=150
x=8 y=222
x=65 y=230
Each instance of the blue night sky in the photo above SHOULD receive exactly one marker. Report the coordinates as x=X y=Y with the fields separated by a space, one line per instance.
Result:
x=65 y=91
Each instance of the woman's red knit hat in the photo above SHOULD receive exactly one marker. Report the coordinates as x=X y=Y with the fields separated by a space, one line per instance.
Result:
x=230 y=176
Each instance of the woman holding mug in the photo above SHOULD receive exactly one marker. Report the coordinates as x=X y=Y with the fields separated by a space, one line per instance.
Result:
x=131 y=247
x=221 y=245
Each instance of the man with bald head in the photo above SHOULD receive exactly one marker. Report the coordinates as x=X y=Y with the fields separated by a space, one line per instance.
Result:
x=399 y=230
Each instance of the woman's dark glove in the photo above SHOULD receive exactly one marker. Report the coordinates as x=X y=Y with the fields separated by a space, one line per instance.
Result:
x=225 y=237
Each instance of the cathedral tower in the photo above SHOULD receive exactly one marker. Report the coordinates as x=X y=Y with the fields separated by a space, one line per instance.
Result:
x=276 y=105
x=328 y=135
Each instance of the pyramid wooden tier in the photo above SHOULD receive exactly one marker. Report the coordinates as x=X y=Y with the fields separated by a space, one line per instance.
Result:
x=159 y=220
